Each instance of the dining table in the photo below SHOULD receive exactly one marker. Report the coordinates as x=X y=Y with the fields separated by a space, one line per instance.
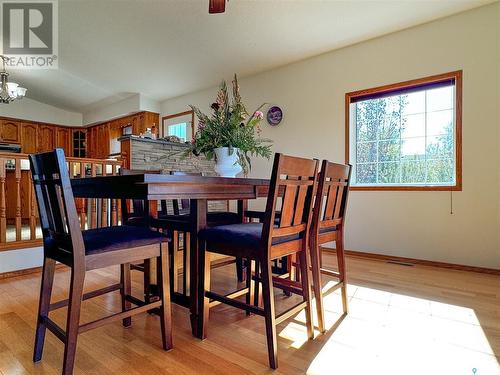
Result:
x=198 y=189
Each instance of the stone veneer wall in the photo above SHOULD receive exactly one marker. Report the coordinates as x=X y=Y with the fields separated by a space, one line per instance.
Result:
x=148 y=154
x=157 y=154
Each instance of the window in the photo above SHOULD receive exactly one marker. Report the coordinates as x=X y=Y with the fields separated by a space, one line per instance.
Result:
x=179 y=130
x=179 y=124
x=406 y=136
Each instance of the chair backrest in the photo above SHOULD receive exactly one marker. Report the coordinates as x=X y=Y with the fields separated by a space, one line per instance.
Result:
x=139 y=206
x=182 y=206
x=293 y=180
x=331 y=199
x=58 y=217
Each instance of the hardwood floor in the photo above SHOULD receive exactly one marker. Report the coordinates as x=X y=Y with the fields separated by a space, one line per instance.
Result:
x=402 y=320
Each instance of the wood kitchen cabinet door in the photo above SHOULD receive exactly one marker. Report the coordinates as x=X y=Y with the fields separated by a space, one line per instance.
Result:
x=63 y=140
x=142 y=125
x=103 y=141
x=136 y=126
x=47 y=138
x=151 y=119
x=10 y=131
x=79 y=137
x=91 y=142
x=29 y=138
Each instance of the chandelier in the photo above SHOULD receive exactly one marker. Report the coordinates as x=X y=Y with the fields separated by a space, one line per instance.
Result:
x=9 y=91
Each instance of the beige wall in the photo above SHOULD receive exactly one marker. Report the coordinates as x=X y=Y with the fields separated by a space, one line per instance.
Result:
x=29 y=109
x=409 y=224
x=106 y=110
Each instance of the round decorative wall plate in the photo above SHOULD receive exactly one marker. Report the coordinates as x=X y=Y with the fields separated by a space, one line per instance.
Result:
x=274 y=115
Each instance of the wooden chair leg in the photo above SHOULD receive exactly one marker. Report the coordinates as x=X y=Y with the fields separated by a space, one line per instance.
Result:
x=339 y=245
x=256 y=292
x=186 y=265
x=147 y=280
x=239 y=269
x=203 y=286
x=174 y=271
x=291 y=260
x=270 y=317
x=164 y=289
x=73 y=320
x=295 y=264
x=318 y=295
x=49 y=266
x=306 y=292
x=250 y=283
x=125 y=291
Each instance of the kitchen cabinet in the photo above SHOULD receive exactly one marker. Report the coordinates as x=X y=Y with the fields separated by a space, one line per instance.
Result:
x=10 y=131
x=79 y=143
x=29 y=138
x=103 y=141
x=47 y=138
x=98 y=141
x=151 y=120
x=63 y=140
x=91 y=142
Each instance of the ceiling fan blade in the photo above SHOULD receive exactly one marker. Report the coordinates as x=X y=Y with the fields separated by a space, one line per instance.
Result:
x=216 y=6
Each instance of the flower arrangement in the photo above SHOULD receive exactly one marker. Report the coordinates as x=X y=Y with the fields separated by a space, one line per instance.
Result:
x=230 y=125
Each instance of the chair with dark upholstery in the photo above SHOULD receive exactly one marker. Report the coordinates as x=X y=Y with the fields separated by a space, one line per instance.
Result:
x=261 y=243
x=136 y=212
x=281 y=266
x=65 y=242
x=327 y=226
x=179 y=226
x=172 y=218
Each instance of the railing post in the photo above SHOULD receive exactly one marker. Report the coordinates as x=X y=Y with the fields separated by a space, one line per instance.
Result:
x=18 y=201
x=114 y=218
x=104 y=203
x=93 y=201
x=83 y=201
x=18 y=220
x=3 y=208
x=32 y=209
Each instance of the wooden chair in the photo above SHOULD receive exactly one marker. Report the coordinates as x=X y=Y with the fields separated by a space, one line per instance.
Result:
x=65 y=242
x=263 y=242
x=327 y=226
x=173 y=219
x=140 y=208
x=179 y=223
x=136 y=213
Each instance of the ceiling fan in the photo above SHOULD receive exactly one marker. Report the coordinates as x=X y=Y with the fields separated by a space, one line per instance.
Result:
x=216 y=6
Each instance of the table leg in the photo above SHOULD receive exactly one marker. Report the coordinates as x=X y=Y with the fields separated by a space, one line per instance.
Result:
x=151 y=212
x=198 y=217
x=240 y=264
x=242 y=207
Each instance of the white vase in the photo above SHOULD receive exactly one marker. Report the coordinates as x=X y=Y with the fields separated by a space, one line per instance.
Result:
x=226 y=165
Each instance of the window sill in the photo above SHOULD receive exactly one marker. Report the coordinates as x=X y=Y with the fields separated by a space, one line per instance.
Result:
x=406 y=188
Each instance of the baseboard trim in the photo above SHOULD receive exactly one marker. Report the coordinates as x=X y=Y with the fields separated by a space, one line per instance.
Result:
x=422 y=262
x=26 y=271
x=350 y=253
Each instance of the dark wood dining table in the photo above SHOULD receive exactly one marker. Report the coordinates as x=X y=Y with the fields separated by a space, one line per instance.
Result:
x=155 y=187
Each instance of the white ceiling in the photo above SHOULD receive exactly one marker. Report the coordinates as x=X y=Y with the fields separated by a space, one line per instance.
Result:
x=109 y=49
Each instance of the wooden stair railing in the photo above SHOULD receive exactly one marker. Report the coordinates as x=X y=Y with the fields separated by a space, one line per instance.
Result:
x=19 y=220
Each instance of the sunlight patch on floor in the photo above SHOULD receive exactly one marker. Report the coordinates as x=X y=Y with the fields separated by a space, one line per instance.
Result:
x=388 y=333
x=295 y=331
